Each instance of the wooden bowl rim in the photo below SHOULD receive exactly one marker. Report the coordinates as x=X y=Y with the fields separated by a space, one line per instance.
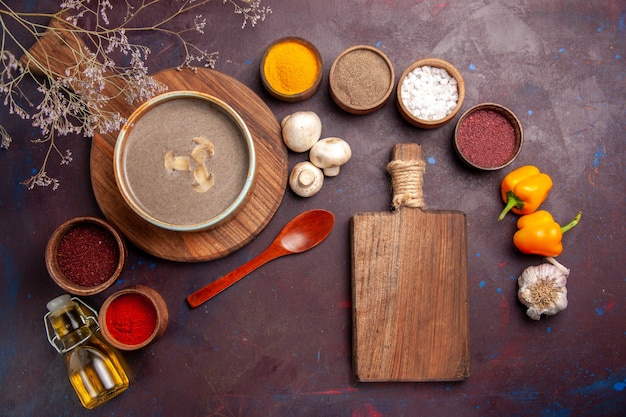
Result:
x=452 y=71
x=372 y=106
x=509 y=115
x=298 y=96
x=51 y=256
x=162 y=315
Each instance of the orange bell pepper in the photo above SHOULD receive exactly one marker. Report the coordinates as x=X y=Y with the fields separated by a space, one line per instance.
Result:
x=539 y=234
x=524 y=189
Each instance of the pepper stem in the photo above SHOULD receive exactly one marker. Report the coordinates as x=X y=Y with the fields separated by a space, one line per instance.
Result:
x=511 y=201
x=571 y=224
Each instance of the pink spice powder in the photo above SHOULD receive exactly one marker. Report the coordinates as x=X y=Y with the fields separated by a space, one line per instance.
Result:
x=88 y=255
x=486 y=138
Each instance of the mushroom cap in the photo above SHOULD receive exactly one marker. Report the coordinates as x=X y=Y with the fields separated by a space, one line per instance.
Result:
x=301 y=130
x=329 y=154
x=306 y=179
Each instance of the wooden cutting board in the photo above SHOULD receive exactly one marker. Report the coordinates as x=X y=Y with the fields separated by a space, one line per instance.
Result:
x=265 y=195
x=55 y=51
x=409 y=285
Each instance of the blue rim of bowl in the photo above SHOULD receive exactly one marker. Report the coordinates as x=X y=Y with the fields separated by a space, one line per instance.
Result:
x=124 y=188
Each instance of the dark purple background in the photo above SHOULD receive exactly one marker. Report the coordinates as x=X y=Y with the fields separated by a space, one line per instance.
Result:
x=279 y=342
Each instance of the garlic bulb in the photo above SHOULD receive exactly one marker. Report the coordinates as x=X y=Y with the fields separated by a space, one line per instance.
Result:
x=542 y=288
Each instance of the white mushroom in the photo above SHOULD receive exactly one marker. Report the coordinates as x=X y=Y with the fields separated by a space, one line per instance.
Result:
x=329 y=154
x=203 y=150
x=301 y=130
x=176 y=163
x=306 y=179
x=204 y=180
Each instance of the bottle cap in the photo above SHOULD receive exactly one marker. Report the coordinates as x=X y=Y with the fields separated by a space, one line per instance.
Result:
x=60 y=301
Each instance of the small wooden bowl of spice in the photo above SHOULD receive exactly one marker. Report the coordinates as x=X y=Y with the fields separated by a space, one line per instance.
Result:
x=430 y=93
x=85 y=255
x=133 y=317
x=361 y=79
x=488 y=137
x=291 y=69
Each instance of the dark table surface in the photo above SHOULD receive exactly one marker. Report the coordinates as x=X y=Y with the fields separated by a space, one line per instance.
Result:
x=279 y=342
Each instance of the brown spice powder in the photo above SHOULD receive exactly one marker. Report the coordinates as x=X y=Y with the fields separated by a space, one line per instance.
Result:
x=361 y=78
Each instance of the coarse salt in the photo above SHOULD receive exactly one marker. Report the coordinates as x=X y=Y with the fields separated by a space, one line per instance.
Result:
x=429 y=93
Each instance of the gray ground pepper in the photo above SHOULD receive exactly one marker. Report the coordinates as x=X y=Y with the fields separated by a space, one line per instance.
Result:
x=362 y=78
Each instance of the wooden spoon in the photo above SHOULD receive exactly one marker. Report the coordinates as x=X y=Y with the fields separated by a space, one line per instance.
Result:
x=302 y=233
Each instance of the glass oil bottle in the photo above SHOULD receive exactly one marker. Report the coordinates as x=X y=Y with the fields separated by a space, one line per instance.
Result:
x=94 y=370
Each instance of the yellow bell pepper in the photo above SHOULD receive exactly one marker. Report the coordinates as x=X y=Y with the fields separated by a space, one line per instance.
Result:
x=524 y=189
x=539 y=234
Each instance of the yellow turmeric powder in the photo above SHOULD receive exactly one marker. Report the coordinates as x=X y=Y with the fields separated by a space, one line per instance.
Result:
x=291 y=67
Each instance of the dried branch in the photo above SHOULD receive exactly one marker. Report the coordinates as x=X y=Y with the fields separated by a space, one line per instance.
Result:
x=107 y=64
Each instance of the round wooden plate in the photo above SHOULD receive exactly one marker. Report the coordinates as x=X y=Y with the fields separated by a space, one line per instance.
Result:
x=265 y=196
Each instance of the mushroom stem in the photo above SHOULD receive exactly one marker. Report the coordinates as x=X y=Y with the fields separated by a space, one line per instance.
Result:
x=331 y=171
x=306 y=177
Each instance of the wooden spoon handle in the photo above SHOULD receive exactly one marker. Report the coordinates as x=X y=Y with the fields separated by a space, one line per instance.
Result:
x=211 y=290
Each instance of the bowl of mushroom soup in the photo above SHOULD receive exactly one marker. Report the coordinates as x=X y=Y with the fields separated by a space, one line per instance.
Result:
x=185 y=161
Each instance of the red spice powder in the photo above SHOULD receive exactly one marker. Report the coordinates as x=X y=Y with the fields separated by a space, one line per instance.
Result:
x=486 y=138
x=131 y=318
x=88 y=255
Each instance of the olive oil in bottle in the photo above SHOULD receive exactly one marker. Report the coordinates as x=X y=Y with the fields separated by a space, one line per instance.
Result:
x=94 y=370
